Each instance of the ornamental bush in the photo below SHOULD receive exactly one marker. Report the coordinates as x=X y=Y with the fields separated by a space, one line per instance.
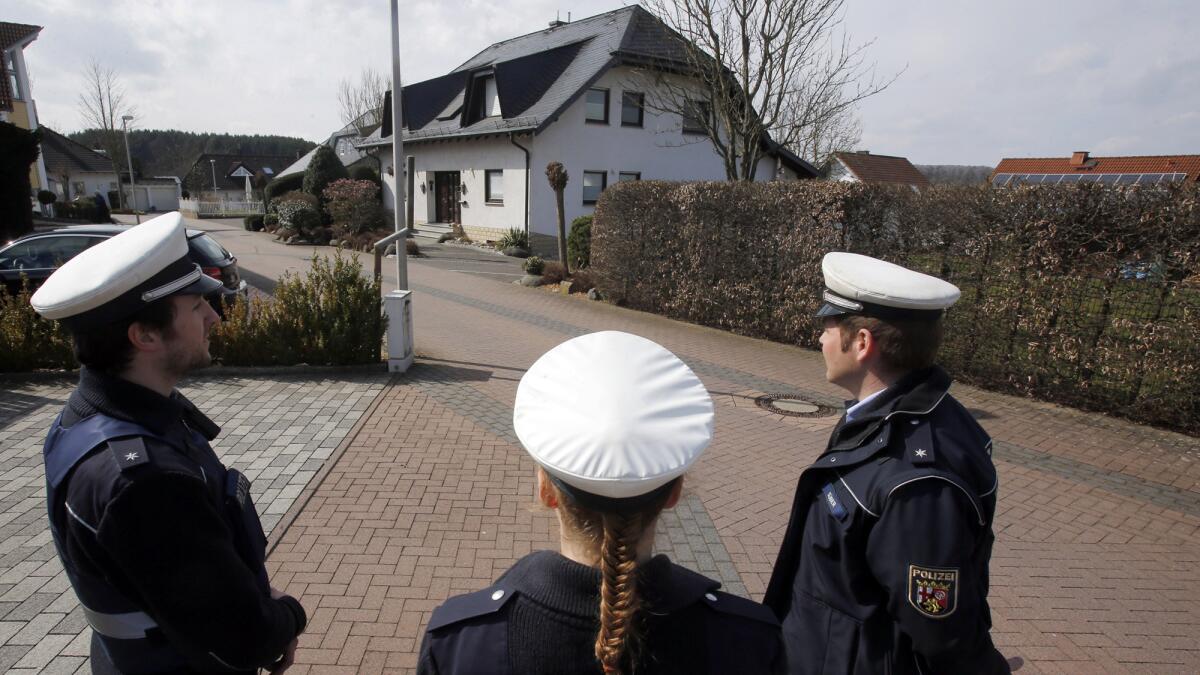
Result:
x=329 y=315
x=354 y=207
x=299 y=217
x=579 y=242
x=27 y=341
x=515 y=237
x=323 y=169
x=534 y=265
x=282 y=186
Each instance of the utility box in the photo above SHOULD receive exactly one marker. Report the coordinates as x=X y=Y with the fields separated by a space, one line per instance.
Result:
x=398 y=305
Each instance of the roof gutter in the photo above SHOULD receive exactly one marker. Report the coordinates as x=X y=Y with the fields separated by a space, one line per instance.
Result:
x=512 y=139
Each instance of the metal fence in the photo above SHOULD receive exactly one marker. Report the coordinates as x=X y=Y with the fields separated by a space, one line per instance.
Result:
x=221 y=209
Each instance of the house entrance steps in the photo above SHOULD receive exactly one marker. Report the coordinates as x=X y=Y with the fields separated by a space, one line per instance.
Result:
x=430 y=232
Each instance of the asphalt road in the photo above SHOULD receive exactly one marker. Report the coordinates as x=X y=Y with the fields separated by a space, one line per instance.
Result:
x=262 y=259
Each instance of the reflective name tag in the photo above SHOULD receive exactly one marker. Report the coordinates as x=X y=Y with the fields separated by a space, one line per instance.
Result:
x=829 y=496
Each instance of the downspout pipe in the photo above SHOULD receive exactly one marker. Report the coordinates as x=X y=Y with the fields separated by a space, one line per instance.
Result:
x=512 y=139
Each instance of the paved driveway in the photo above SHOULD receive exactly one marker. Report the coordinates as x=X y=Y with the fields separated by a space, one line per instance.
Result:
x=1095 y=566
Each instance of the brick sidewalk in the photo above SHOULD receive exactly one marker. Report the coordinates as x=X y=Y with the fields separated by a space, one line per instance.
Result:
x=278 y=428
x=1095 y=567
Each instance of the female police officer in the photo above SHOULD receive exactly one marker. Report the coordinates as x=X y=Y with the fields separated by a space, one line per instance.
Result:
x=613 y=420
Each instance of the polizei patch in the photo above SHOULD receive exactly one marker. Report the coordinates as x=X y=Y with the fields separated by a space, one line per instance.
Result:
x=933 y=591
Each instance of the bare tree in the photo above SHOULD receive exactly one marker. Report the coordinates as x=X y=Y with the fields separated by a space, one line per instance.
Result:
x=840 y=132
x=758 y=67
x=361 y=103
x=102 y=104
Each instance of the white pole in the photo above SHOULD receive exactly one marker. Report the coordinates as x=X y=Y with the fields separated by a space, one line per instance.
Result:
x=129 y=161
x=398 y=164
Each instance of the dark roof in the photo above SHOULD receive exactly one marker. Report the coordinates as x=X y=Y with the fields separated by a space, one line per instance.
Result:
x=64 y=156
x=537 y=75
x=790 y=159
x=870 y=168
x=13 y=33
x=228 y=163
x=1083 y=163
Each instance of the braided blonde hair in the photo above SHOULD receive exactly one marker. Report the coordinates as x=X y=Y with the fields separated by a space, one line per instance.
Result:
x=616 y=535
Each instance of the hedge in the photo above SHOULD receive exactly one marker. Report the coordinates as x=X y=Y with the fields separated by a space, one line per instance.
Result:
x=329 y=315
x=1084 y=295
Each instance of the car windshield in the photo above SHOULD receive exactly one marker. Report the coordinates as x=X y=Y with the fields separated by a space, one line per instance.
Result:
x=204 y=246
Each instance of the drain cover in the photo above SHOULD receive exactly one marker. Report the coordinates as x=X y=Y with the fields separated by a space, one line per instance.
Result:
x=793 y=406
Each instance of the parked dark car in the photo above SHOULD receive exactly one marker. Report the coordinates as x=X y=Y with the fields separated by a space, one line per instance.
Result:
x=37 y=255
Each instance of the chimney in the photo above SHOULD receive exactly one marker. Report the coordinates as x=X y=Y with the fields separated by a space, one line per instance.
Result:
x=556 y=23
x=1079 y=158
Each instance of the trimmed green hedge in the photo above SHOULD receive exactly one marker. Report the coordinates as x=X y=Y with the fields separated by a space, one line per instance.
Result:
x=1083 y=295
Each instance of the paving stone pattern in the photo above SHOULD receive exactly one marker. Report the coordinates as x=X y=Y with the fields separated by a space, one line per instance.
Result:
x=277 y=429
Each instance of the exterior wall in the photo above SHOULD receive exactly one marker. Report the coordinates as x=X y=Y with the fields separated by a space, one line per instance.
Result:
x=92 y=183
x=471 y=158
x=659 y=150
x=154 y=197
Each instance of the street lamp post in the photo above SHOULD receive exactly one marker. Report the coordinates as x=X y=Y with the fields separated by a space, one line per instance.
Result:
x=125 y=119
x=212 y=163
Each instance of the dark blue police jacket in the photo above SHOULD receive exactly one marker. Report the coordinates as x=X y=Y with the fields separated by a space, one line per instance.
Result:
x=129 y=637
x=884 y=566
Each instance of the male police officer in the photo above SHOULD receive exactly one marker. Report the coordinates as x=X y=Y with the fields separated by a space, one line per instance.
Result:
x=160 y=541
x=884 y=566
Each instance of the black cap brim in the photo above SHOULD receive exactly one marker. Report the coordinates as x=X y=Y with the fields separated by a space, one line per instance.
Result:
x=827 y=309
x=205 y=286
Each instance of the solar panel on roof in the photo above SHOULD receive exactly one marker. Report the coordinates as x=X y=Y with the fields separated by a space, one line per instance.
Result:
x=1089 y=178
x=1128 y=178
x=1109 y=178
x=1150 y=178
x=1052 y=179
x=1070 y=178
x=1001 y=179
x=1175 y=177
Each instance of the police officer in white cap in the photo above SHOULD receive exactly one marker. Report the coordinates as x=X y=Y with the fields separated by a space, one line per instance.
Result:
x=160 y=541
x=613 y=421
x=884 y=565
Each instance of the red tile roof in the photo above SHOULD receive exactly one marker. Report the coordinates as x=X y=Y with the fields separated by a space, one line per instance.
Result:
x=12 y=33
x=1189 y=164
x=870 y=168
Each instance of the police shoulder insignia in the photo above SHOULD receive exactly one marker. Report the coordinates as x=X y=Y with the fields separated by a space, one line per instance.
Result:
x=129 y=452
x=933 y=591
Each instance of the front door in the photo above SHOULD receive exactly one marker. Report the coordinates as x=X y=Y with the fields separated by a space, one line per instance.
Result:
x=447 y=190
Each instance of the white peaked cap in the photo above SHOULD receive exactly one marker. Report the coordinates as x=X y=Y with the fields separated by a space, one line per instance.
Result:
x=613 y=414
x=859 y=284
x=120 y=275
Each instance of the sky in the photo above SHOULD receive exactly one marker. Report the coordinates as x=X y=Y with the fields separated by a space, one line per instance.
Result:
x=978 y=81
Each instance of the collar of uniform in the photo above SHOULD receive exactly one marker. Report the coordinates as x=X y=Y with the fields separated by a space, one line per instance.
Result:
x=917 y=393
x=120 y=398
x=551 y=579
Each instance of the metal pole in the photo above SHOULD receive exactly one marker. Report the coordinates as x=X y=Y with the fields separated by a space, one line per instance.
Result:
x=213 y=164
x=398 y=164
x=129 y=161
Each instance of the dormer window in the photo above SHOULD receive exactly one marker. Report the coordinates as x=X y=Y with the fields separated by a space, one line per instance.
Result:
x=483 y=99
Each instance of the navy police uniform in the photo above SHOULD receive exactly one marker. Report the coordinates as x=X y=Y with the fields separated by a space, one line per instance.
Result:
x=160 y=541
x=540 y=617
x=884 y=567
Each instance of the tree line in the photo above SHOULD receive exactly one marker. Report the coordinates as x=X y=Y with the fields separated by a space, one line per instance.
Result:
x=170 y=152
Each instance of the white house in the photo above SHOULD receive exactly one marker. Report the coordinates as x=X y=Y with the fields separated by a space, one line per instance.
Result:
x=16 y=98
x=576 y=93
x=344 y=143
x=75 y=170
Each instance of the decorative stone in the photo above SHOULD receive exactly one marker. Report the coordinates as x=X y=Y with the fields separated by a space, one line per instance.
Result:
x=390 y=250
x=516 y=252
x=594 y=294
x=531 y=280
x=564 y=287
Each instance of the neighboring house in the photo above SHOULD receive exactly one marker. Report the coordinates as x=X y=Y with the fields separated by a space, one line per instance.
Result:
x=16 y=99
x=160 y=193
x=75 y=170
x=576 y=93
x=232 y=178
x=1081 y=167
x=344 y=142
x=863 y=167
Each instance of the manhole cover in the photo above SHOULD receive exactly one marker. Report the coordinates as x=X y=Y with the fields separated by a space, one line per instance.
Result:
x=793 y=406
